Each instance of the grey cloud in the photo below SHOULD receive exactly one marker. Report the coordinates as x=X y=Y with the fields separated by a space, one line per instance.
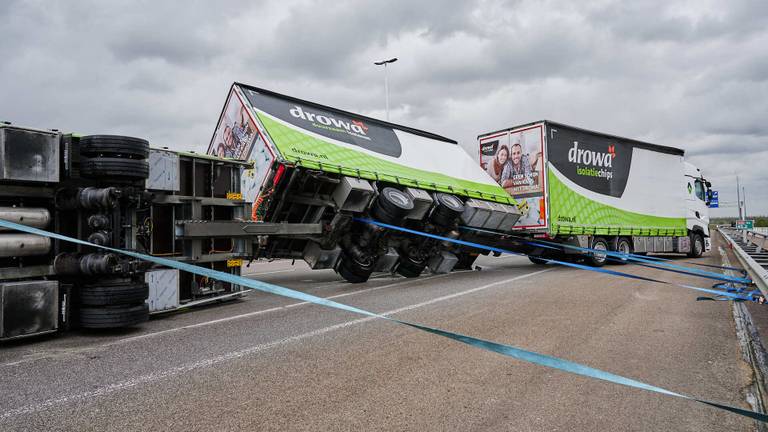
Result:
x=179 y=49
x=691 y=74
x=662 y=21
x=323 y=40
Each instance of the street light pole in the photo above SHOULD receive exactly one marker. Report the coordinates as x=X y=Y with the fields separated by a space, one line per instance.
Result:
x=738 y=197
x=744 y=197
x=386 y=82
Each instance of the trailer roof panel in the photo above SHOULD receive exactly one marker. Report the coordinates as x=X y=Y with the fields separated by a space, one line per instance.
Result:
x=324 y=138
x=372 y=120
x=637 y=143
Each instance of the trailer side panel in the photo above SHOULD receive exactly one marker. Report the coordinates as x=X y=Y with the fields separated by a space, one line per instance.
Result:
x=602 y=184
x=323 y=138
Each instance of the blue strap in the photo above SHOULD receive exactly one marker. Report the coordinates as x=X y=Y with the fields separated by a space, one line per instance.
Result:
x=740 y=270
x=654 y=262
x=505 y=350
x=563 y=263
x=652 y=258
x=732 y=287
x=645 y=262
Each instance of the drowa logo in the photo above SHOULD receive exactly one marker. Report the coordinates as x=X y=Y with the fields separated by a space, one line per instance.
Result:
x=344 y=127
x=597 y=164
x=355 y=128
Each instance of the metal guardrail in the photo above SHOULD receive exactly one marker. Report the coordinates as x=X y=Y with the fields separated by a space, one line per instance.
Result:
x=751 y=248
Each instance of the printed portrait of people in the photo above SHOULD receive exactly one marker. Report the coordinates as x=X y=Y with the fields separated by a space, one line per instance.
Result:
x=221 y=150
x=235 y=134
x=496 y=166
x=521 y=171
x=242 y=133
x=230 y=145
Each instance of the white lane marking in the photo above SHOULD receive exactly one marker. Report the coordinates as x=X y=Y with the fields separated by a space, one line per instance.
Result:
x=168 y=373
x=218 y=321
x=268 y=272
x=260 y=312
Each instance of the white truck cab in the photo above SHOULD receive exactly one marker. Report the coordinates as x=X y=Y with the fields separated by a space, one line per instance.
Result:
x=697 y=195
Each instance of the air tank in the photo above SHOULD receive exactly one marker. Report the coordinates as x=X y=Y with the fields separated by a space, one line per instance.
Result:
x=29 y=216
x=15 y=245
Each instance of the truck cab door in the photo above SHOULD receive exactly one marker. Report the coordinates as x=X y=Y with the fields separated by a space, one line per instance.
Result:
x=696 y=204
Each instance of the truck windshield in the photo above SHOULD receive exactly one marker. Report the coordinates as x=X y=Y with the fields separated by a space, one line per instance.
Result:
x=700 y=194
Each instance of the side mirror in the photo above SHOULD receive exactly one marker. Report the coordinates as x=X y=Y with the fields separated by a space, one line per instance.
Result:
x=707 y=183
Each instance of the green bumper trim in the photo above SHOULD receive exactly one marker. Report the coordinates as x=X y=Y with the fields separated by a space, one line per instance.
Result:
x=573 y=213
x=309 y=152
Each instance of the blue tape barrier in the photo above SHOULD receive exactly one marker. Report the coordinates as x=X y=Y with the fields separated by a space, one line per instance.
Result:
x=721 y=267
x=557 y=246
x=505 y=350
x=646 y=261
x=738 y=288
x=563 y=263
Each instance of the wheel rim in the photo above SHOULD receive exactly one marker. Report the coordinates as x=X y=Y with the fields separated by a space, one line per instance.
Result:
x=364 y=264
x=624 y=249
x=697 y=246
x=599 y=246
x=451 y=202
x=398 y=198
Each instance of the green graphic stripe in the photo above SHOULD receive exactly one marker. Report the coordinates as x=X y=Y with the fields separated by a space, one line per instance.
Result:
x=572 y=213
x=304 y=150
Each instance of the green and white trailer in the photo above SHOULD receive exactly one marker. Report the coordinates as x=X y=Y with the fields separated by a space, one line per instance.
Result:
x=601 y=191
x=317 y=169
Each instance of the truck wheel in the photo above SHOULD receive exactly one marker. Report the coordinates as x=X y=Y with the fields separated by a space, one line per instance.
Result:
x=392 y=205
x=597 y=259
x=119 y=146
x=352 y=271
x=466 y=259
x=410 y=268
x=697 y=245
x=622 y=246
x=537 y=260
x=113 y=316
x=111 y=292
x=109 y=167
x=448 y=208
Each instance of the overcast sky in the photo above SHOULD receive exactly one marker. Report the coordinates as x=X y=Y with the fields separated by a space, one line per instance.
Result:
x=690 y=74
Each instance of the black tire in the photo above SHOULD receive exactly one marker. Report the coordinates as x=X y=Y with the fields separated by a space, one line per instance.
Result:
x=113 y=316
x=537 y=260
x=596 y=259
x=623 y=245
x=113 y=292
x=392 y=205
x=114 y=145
x=447 y=209
x=466 y=260
x=352 y=271
x=107 y=167
x=410 y=268
x=697 y=245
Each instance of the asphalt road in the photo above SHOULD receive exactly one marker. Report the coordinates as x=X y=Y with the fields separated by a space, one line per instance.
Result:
x=268 y=363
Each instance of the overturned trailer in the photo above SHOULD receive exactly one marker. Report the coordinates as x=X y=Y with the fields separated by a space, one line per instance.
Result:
x=113 y=191
x=317 y=170
x=284 y=178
